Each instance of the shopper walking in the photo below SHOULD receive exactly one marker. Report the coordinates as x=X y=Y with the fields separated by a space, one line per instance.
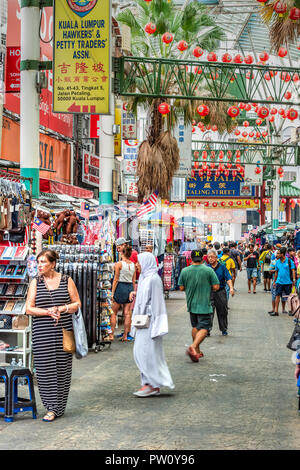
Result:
x=219 y=297
x=51 y=301
x=123 y=284
x=251 y=258
x=284 y=280
x=148 y=346
x=197 y=281
x=266 y=258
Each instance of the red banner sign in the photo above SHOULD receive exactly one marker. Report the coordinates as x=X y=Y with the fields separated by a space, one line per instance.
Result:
x=12 y=71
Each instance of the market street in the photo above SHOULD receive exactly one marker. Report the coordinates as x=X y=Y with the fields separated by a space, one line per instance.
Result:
x=241 y=395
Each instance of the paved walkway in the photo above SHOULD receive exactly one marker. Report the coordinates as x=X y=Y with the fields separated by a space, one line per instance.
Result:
x=242 y=395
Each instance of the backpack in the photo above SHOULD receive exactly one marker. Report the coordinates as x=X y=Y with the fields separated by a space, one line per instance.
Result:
x=268 y=258
x=223 y=261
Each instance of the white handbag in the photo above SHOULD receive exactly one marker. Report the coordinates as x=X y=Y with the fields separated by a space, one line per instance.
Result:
x=142 y=321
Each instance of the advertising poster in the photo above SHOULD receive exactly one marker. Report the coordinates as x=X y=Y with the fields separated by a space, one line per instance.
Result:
x=81 y=49
x=90 y=168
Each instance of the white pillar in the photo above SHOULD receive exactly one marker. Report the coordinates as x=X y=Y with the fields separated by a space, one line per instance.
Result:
x=107 y=155
x=29 y=113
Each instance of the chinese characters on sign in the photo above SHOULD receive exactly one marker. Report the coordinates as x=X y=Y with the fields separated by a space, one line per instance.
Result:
x=81 y=57
x=212 y=186
x=128 y=125
x=90 y=168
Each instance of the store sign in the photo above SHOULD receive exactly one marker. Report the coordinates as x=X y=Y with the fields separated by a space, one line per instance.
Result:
x=90 y=168
x=183 y=135
x=118 y=122
x=81 y=56
x=12 y=72
x=129 y=129
x=212 y=186
x=95 y=124
x=60 y=123
x=55 y=155
x=130 y=154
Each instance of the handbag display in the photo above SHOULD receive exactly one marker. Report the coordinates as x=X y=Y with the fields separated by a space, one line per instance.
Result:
x=20 y=322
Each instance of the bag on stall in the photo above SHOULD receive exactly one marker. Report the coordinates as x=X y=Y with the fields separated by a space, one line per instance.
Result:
x=17 y=236
x=5 y=322
x=20 y=322
x=80 y=335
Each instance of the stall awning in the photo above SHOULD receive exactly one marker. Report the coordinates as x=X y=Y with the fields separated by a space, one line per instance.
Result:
x=54 y=187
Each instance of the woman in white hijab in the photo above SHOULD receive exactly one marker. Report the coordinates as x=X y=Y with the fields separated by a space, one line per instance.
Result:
x=148 y=346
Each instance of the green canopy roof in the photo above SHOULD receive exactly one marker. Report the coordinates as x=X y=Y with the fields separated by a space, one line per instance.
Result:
x=289 y=189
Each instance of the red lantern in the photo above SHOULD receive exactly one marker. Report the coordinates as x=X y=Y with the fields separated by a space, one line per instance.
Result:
x=239 y=203
x=282 y=52
x=281 y=111
x=257 y=170
x=262 y=1
x=193 y=129
x=196 y=165
x=150 y=28
x=208 y=172
x=271 y=118
x=238 y=59
x=201 y=172
x=288 y=95
x=292 y=114
x=212 y=155
x=221 y=155
x=234 y=173
x=273 y=111
x=285 y=76
x=246 y=123
x=164 y=108
x=230 y=203
x=203 y=110
x=295 y=14
x=223 y=203
x=258 y=122
x=182 y=46
x=214 y=128
x=226 y=172
x=237 y=132
x=280 y=172
x=249 y=59
x=241 y=105
x=263 y=112
x=248 y=202
x=257 y=135
x=206 y=204
x=256 y=201
x=248 y=107
x=264 y=56
x=218 y=173
x=283 y=201
x=198 y=70
x=167 y=38
x=245 y=134
x=212 y=165
x=196 y=154
x=264 y=133
x=293 y=203
x=251 y=134
x=212 y=57
x=233 y=112
x=296 y=77
x=226 y=58
x=229 y=165
x=280 y=8
x=267 y=76
x=215 y=204
x=204 y=155
x=249 y=76
x=198 y=52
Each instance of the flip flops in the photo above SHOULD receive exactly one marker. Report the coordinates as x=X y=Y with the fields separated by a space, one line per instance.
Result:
x=193 y=355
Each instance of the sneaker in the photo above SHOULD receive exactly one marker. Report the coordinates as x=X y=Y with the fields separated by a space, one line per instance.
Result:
x=130 y=338
x=224 y=333
x=274 y=314
x=272 y=311
x=147 y=391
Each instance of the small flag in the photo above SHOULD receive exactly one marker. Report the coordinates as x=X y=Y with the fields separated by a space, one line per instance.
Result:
x=85 y=210
x=40 y=226
x=148 y=205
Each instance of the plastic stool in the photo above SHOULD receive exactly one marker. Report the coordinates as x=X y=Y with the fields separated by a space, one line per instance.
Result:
x=12 y=404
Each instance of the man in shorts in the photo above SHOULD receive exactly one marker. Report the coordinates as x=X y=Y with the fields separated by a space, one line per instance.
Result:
x=198 y=280
x=251 y=258
x=284 y=280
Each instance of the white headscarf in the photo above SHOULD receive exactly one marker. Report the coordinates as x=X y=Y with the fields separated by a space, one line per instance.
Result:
x=150 y=292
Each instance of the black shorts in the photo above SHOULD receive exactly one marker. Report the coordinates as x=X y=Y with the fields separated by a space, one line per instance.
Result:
x=267 y=275
x=122 y=292
x=201 y=321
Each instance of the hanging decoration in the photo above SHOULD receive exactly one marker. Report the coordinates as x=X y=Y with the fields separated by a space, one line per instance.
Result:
x=198 y=52
x=167 y=38
x=233 y=112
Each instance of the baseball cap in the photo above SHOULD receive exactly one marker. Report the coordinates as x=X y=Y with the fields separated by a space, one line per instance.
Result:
x=197 y=255
x=121 y=241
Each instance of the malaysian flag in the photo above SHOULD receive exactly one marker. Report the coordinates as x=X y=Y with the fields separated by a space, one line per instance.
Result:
x=40 y=226
x=148 y=205
x=85 y=210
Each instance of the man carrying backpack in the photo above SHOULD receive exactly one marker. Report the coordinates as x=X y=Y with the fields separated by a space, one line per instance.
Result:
x=285 y=279
x=235 y=255
x=266 y=258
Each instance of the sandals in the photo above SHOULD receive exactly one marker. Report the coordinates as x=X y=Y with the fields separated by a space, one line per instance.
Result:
x=50 y=414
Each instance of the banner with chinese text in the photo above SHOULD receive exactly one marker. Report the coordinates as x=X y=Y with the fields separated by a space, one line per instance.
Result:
x=222 y=186
x=81 y=56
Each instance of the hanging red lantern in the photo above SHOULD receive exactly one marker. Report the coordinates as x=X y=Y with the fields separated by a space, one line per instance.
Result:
x=238 y=59
x=280 y=172
x=285 y=76
x=282 y=52
x=204 y=155
x=214 y=128
x=241 y=105
x=257 y=135
x=201 y=173
x=234 y=173
x=148 y=1
x=245 y=134
x=229 y=165
x=262 y=1
x=215 y=204
x=263 y=112
x=233 y=112
x=226 y=172
x=246 y=124
x=150 y=28
x=206 y=204
x=283 y=201
x=198 y=70
x=271 y=118
x=293 y=203
x=221 y=155
x=167 y=38
x=256 y=201
x=223 y=203
x=292 y=114
x=198 y=52
x=230 y=203
x=249 y=76
x=196 y=154
x=229 y=154
x=218 y=173
x=249 y=59
x=258 y=122
x=264 y=133
x=274 y=111
x=196 y=165
x=212 y=57
x=238 y=154
x=212 y=165
x=193 y=129
x=264 y=56
x=182 y=46
x=203 y=110
x=257 y=170
x=208 y=172
x=267 y=76
x=294 y=14
x=226 y=58
x=248 y=107
x=296 y=77
x=237 y=132
x=288 y=95
x=164 y=108
x=280 y=8
x=238 y=203
x=200 y=125
x=251 y=134
x=281 y=111
x=192 y=174
x=248 y=202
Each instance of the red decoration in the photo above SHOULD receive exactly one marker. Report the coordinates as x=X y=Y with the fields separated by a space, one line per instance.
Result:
x=285 y=76
x=182 y=46
x=251 y=134
x=234 y=173
x=281 y=112
x=263 y=112
x=264 y=133
x=238 y=59
x=280 y=8
x=237 y=132
x=282 y=52
x=198 y=70
x=212 y=57
x=247 y=107
x=273 y=111
x=239 y=203
x=196 y=154
x=221 y=155
x=214 y=128
x=226 y=58
x=164 y=108
x=258 y=122
x=264 y=56
x=296 y=77
x=283 y=201
x=198 y=52
x=196 y=165
x=246 y=123
x=204 y=155
x=167 y=38
x=203 y=110
x=256 y=201
x=288 y=95
x=249 y=75
x=233 y=112
x=215 y=204
x=271 y=118
x=245 y=134
x=280 y=172
x=230 y=203
x=249 y=59
x=223 y=203
x=150 y=28
x=294 y=14
x=292 y=114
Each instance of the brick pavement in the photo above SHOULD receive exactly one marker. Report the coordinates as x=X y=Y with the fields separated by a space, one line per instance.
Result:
x=242 y=395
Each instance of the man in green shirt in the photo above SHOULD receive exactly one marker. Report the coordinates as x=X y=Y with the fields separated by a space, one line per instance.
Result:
x=197 y=281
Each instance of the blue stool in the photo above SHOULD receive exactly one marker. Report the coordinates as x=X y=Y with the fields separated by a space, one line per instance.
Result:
x=12 y=404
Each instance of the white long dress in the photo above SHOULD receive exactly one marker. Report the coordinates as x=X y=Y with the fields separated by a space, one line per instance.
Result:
x=148 y=346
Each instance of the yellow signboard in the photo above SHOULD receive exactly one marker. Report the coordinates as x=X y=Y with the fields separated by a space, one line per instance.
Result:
x=118 y=122
x=81 y=52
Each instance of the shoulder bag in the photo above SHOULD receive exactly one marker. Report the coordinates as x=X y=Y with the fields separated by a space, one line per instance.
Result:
x=142 y=321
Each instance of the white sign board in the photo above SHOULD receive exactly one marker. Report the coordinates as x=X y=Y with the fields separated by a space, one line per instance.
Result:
x=183 y=135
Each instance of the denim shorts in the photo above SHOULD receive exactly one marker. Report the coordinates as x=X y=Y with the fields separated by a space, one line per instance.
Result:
x=273 y=292
x=251 y=272
x=283 y=290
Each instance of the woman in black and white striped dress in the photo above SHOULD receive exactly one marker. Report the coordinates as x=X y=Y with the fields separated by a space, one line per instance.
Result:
x=52 y=297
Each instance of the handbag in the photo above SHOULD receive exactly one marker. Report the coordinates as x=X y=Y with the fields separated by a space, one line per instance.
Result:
x=80 y=335
x=20 y=322
x=5 y=322
x=294 y=342
x=142 y=321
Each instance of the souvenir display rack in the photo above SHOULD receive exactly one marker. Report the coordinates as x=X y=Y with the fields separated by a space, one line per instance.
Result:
x=13 y=290
x=90 y=269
